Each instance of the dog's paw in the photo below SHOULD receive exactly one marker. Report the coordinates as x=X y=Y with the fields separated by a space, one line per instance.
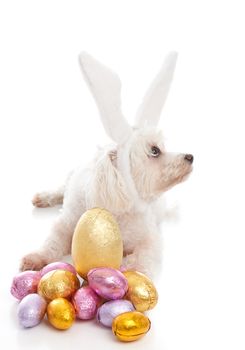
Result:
x=33 y=261
x=41 y=200
x=135 y=263
x=130 y=262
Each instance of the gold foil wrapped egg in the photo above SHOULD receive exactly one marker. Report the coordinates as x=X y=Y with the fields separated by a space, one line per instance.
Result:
x=96 y=242
x=61 y=313
x=130 y=326
x=58 y=284
x=141 y=291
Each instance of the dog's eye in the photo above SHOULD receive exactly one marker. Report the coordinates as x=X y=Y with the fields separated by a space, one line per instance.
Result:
x=155 y=151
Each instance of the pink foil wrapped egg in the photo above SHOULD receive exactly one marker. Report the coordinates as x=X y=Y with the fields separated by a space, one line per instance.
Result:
x=58 y=265
x=31 y=310
x=108 y=283
x=85 y=302
x=25 y=283
x=111 y=309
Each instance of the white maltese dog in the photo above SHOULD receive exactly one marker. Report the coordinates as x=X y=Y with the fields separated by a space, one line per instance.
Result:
x=127 y=178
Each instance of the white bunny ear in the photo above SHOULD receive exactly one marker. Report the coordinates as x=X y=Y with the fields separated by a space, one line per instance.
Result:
x=150 y=109
x=105 y=86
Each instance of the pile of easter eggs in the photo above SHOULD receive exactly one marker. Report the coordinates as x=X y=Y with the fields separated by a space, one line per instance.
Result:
x=116 y=299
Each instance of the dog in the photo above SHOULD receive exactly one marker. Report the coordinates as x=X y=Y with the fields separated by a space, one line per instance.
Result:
x=127 y=177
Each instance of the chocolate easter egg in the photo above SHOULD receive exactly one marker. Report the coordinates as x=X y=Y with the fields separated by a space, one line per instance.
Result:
x=85 y=302
x=141 y=291
x=25 y=283
x=96 y=242
x=108 y=283
x=58 y=265
x=58 y=284
x=111 y=309
x=130 y=326
x=61 y=313
x=31 y=310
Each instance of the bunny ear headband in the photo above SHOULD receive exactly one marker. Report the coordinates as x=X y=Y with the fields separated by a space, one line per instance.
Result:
x=105 y=86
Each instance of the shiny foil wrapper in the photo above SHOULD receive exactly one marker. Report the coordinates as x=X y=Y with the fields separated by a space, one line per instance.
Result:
x=25 y=283
x=111 y=309
x=58 y=284
x=58 y=265
x=96 y=242
x=108 y=283
x=85 y=302
x=31 y=310
x=61 y=313
x=130 y=326
x=141 y=291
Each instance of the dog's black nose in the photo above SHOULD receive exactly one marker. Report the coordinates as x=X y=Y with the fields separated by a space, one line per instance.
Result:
x=189 y=157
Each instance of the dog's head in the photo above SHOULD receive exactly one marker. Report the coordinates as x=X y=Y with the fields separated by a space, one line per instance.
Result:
x=153 y=169
x=140 y=164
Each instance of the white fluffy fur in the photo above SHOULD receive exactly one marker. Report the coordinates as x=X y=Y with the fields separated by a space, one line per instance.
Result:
x=149 y=111
x=126 y=177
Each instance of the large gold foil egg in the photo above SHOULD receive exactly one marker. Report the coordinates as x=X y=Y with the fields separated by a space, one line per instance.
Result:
x=58 y=284
x=141 y=291
x=96 y=242
x=61 y=313
x=130 y=326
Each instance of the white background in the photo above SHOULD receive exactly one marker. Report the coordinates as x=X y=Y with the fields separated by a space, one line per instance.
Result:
x=49 y=124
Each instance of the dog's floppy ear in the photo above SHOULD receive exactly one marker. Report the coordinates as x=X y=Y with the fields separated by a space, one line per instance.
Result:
x=105 y=86
x=106 y=186
x=150 y=109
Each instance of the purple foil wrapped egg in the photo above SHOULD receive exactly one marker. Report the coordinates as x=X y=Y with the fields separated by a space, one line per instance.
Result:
x=85 y=302
x=31 y=310
x=108 y=283
x=25 y=283
x=111 y=309
x=58 y=265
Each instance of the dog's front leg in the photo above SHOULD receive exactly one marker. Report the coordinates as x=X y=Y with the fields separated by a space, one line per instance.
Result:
x=55 y=247
x=146 y=257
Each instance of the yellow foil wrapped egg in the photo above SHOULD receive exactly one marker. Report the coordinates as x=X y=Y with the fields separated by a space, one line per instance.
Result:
x=58 y=284
x=130 y=326
x=96 y=242
x=61 y=313
x=141 y=291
